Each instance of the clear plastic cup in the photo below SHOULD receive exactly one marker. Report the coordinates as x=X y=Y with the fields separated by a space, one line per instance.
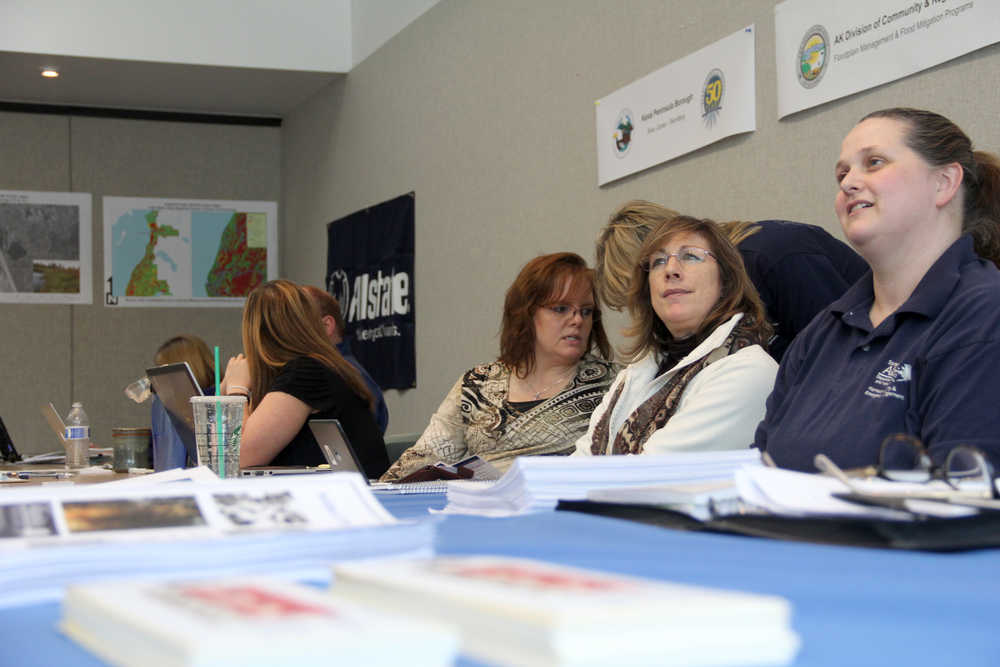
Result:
x=215 y=416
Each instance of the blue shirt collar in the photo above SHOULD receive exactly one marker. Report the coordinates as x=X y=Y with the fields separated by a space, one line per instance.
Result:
x=931 y=293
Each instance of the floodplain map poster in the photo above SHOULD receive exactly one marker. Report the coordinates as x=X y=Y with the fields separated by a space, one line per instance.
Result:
x=45 y=251
x=178 y=252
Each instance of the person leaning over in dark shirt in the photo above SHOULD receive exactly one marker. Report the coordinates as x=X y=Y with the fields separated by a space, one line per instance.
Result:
x=333 y=323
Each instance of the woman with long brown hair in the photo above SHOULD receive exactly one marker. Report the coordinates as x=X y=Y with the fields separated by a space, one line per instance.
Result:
x=699 y=373
x=798 y=269
x=291 y=372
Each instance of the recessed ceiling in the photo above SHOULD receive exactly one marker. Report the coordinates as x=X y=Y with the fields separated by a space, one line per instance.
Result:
x=129 y=84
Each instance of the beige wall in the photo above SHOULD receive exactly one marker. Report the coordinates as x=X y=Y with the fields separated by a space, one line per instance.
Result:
x=485 y=110
x=89 y=353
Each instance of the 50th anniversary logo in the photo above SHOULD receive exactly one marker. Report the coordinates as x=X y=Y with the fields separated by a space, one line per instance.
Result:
x=624 y=133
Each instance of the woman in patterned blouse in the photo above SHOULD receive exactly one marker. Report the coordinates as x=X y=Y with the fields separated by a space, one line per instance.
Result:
x=536 y=398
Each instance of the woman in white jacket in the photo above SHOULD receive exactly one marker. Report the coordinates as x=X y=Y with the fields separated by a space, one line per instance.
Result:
x=699 y=375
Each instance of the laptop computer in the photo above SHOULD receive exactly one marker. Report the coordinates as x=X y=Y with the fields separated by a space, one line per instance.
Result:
x=174 y=384
x=333 y=443
x=8 y=452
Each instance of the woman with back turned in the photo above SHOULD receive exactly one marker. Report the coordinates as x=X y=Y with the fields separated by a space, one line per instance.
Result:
x=914 y=347
x=292 y=372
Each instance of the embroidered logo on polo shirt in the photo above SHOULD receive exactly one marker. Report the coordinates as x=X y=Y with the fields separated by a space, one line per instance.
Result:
x=886 y=380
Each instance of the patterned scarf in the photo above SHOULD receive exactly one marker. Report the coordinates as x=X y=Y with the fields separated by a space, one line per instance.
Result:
x=657 y=410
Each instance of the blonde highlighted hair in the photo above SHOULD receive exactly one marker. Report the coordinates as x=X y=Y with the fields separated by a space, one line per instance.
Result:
x=281 y=322
x=619 y=242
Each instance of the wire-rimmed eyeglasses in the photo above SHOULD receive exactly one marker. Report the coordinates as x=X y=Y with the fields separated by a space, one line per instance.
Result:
x=687 y=255
x=569 y=311
x=903 y=458
x=965 y=473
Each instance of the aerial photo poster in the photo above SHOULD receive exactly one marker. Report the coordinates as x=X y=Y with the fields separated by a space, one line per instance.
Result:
x=187 y=252
x=45 y=252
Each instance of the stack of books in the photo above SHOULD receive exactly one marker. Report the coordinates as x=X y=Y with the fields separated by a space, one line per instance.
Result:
x=54 y=536
x=242 y=622
x=537 y=483
x=524 y=612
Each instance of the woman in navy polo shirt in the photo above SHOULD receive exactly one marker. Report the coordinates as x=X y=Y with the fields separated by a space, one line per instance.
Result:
x=914 y=346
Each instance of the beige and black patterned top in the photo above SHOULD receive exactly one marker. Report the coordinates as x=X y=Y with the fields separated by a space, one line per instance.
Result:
x=475 y=418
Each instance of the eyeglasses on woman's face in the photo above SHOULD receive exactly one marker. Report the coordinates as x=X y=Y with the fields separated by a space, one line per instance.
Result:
x=568 y=311
x=687 y=255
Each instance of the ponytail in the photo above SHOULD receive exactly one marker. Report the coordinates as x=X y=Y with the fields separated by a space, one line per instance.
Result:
x=982 y=205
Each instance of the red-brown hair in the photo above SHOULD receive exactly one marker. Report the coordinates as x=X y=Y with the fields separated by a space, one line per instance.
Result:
x=543 y=280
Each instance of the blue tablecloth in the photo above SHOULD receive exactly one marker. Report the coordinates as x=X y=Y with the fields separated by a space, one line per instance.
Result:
x=852 y=606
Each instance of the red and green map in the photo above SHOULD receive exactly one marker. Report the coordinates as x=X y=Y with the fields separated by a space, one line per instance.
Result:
x=166 y=250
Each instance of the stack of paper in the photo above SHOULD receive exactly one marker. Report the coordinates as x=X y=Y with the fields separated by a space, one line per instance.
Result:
x=536 y=483
x=523 y=612
x=241 y=622
x=51 y=537
x=701 y=500
x=789 y=493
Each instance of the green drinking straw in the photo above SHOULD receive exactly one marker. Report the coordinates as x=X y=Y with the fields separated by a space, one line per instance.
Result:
x=218 y=415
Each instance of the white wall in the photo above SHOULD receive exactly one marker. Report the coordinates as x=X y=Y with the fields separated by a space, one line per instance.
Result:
x=374 y=22
x=309 y=35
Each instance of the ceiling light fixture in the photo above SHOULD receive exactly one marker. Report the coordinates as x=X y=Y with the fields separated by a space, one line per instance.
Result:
x=50 y=72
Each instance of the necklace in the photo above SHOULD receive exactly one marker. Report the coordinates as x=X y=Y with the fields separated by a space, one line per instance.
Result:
x=560 y=381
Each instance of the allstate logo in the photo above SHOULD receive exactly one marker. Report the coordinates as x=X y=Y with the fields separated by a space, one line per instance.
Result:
x=711 y=101
x=813 y=55
x=340 y=287
x=623 y=132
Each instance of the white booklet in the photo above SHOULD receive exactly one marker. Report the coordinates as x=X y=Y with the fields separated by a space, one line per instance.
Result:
x=244 y=622
x=537 y=483
x=527 y=612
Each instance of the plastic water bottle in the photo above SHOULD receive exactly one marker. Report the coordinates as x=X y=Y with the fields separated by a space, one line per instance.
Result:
x=77 y=437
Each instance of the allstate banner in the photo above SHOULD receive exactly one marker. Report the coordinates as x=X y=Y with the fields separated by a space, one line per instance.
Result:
x=688 y=104
x=369 y=269
x=826 y=50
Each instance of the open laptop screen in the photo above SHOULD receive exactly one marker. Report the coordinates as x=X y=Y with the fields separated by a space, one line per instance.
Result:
x=332 y=442
x=174 y=384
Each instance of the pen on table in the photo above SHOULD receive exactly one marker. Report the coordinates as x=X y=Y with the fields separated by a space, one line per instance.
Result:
x=24 y=474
